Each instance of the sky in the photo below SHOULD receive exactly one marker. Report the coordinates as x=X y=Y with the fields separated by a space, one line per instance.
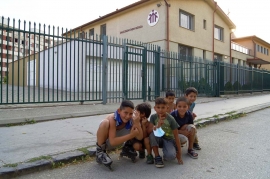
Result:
x=250 y=17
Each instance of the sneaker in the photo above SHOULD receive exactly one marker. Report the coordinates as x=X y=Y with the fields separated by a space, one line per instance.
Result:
x=149 y=159
x=196 y=146
x=142 y=154
x=158 y=162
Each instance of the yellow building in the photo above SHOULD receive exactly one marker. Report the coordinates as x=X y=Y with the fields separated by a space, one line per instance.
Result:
x=259 y=51
x=191 y=27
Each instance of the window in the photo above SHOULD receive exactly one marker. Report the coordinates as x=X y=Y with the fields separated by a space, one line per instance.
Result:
x=258 y=47
x=204 y=24
x=217 y=57
x=81 y=36
x=266 y=51
x=185 y=51
x=102 y=30
x=261 y=49
x=204 y=54
x=186 y=20
x=91 y=33
x=218 y=33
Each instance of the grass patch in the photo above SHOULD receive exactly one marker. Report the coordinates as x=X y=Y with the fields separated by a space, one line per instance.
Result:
x=235 y=116
x=230 y=112
x=39 y=158
x=84 y=150
x=27 y=121
x=11 y=165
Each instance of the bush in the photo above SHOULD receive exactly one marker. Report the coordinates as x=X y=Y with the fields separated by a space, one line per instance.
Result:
x=237 y=85
x=204 y=87
x=5 y=79
x=228 y=87
x=183 y=85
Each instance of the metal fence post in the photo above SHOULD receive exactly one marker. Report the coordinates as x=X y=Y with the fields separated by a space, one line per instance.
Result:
x=157 y=73
x=237 y=75
x=144 y=75
x=252 y=77
x=104 y=69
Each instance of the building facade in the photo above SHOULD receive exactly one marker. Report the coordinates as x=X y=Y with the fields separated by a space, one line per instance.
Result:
x=192 y=28
x=258 y=51
x=15 y=45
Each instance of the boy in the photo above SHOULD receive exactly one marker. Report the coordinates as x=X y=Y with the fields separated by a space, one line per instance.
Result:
x=170 y=96
x=191 y=94
x=115 y=129
x=185 y=120
x=145 y=110
x=162 y=121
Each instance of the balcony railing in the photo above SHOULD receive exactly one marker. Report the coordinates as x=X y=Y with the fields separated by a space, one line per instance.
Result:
x=240 y=48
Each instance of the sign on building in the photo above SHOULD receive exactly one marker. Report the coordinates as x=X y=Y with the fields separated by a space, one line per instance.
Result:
x=153 y=18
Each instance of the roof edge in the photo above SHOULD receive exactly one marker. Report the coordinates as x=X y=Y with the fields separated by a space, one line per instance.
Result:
x=253 y=37
x=112 y=13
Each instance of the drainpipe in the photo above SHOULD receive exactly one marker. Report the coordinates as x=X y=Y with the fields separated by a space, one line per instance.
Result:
x=167 y=40
x=231 y=47
x=167 y=25
x=213 y=48
x=230 y=56
x=254 y=46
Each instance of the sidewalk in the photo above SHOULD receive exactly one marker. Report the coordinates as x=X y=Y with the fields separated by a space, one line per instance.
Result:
x=12 y=114
x=57 y=138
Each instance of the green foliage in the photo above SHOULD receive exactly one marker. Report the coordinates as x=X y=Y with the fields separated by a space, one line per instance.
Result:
x=11 y=165
x=5 y=79
x=183 y=85
x=228 y=87
x=204 y=87
x=237 y=85
x=40 y=158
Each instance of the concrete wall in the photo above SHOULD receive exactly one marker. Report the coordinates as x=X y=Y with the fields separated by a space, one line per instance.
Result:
x=19 y=71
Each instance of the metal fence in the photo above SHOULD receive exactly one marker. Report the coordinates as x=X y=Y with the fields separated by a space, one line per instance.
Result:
x=46 y=65
x=185 y=71
x=235 y=79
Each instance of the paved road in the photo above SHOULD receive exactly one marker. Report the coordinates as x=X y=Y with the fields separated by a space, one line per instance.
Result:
x=231 y=149
x=22 y=143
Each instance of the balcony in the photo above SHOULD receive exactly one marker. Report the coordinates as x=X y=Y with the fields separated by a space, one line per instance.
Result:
x=240 y=48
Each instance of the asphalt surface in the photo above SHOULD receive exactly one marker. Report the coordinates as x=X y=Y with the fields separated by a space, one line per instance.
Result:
x=22 y=143
x=235 y=148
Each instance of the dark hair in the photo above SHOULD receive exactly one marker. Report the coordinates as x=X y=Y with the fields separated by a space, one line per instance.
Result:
x=182 y=99
x=144 y=108
x=125 y=104
x=161 y=101
x=170 y=93
x=191 y=90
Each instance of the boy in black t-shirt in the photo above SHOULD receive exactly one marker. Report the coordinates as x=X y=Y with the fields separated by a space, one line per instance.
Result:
x=185 y=121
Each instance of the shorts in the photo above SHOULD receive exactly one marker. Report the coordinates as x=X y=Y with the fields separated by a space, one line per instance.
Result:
x=138 y=141
x=119 y=133
x=183 y=138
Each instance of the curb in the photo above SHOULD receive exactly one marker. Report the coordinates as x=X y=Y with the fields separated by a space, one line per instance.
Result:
x=43 y=164
x=214 y=120
x=18 y=121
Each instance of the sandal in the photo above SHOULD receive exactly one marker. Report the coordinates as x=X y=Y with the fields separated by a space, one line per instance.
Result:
x=192 y=153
